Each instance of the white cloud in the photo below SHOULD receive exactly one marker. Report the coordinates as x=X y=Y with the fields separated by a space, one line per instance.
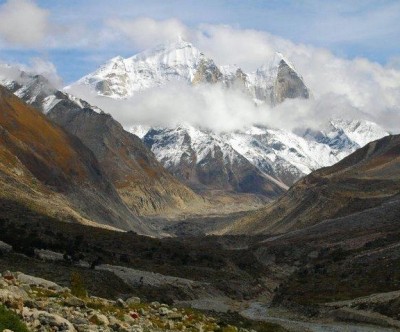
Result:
x=346 y=87
x=45 y=68
x=339 y=86
x=246 y=48
x=369 y=87
x=37 y=66
x=146 y=32
x=217 y=108
x=23 y=23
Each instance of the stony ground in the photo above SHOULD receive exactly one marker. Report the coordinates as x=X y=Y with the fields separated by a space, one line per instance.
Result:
x=45 y=306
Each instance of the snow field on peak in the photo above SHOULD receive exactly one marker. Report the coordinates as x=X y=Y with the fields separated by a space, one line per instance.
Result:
x=178 y=61
x=274 y=152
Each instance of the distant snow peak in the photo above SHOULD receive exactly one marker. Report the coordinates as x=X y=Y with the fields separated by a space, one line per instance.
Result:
x=282 y=155
x=273 y=82
x=276 y=153
x=257 y=159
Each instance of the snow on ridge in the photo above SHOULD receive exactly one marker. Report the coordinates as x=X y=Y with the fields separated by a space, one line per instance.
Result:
x=274 y=152
x=360 y=131
x=180 y=60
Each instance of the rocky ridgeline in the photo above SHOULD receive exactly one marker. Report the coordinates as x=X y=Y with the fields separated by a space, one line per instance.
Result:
x=46 y=306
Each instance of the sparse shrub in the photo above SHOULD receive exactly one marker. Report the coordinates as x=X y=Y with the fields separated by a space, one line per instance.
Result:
x=10 y=321
x=78 y=287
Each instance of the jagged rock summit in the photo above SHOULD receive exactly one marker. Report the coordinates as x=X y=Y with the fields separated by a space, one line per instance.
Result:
x=257 y=160
x=193 y=154
x=182 y=61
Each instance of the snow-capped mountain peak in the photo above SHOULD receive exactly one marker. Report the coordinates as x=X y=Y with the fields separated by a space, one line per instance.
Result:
x=199 y=156
x=180 y=60
x=257 y=160
x=179 y=52
x=276 y=153
x=121 y=78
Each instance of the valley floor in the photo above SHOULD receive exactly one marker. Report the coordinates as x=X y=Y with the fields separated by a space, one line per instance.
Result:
x=319 y=278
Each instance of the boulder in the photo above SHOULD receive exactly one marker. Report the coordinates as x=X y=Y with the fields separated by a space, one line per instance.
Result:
x=133 y=301
x=5 y=248
x=121 y=303
x=38 y=282
x=48 y=255
x=13 y=297
x=99 y=319
x=53 y=321
x=73 y=301
x=163 y=311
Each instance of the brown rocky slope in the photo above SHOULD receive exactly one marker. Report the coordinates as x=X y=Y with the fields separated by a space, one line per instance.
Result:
x=365 y=179
x=51 y=171
x=142 y=182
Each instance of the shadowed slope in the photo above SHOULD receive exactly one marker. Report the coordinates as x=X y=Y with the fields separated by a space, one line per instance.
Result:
x=140 y=179
x=43 y=166
x=364 y=179
x=142 y=182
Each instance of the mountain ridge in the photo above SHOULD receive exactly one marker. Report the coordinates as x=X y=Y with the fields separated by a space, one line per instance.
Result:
x=138 y=177
x=53 y=172
x=282 y=155
x=122 y=77
x=365 y=179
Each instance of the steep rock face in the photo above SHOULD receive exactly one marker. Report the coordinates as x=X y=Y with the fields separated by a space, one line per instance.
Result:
x=279 y=154
x=145 y=186
x=272 y=83
x=53 y=171
x=204 y=161
x=33 y=89
x=142 y=182
x=207 y=72
x=37 y=91
x=367 y=178
x=288 y=84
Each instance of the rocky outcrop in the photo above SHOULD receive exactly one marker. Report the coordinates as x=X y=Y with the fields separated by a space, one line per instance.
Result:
x=207 y=72
x=142 y=182
x=52 y=172
x=44 y=308
x=288 y=84
x=368 y=178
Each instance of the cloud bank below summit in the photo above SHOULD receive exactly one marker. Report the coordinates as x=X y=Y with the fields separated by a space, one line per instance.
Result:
x=340 y=87
x=343 y=88
x=216 y=108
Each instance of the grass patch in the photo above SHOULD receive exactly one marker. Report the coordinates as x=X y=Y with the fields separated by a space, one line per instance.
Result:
x=40 y=292
x=9 y=320
x=233 y=321
x=78 y=287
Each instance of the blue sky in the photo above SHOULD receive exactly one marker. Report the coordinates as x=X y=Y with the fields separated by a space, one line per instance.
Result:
x=77 y=38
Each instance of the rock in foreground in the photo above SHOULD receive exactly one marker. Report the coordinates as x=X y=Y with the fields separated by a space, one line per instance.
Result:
x=45 y=306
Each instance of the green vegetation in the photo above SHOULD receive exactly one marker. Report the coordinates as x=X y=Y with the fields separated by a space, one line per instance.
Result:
x=202 y=259
x=343 y=275
x=9 y=320
x=233 y=322
x=78 y=287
